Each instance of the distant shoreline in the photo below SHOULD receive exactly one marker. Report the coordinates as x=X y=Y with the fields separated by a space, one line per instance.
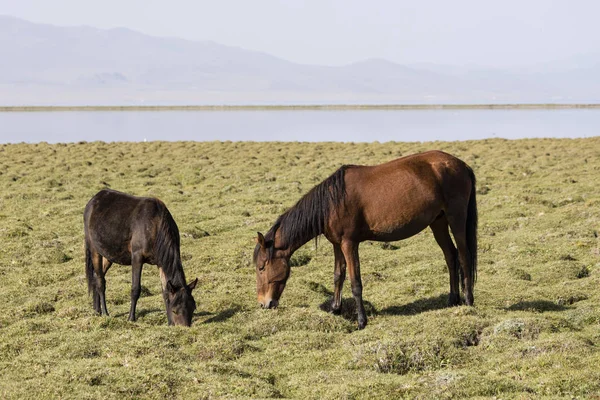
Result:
x=307 y=107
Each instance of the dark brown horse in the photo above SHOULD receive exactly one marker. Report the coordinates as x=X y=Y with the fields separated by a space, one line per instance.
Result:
x=129 y=230
x=387 y=202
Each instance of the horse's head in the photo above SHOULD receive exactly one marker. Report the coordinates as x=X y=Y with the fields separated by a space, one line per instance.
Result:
x=181 y=304
x=272 y=272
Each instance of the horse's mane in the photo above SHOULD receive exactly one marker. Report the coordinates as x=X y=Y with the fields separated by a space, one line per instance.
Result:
x=308 y=218
x=166 y=249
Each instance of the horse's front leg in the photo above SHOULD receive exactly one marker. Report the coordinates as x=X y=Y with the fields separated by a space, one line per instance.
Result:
x=136 y=285
x=339 y=275
x=163 y=284
x=350 y=250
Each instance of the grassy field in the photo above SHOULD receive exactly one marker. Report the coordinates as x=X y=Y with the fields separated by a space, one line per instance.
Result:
x=534 y=332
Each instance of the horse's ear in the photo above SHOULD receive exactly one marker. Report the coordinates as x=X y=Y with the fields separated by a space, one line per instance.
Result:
x=192 y=284
x=171 y=288
x=260 y=239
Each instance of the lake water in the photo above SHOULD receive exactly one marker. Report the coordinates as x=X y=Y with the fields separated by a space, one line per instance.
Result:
x=311 y=126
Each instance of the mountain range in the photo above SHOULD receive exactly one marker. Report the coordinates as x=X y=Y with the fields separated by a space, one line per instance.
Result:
x=50 y=65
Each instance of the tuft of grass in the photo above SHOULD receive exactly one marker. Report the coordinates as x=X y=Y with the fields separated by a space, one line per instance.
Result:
x=522 y=274
x=403 y=358
x=518 y=328
x=584 y=272
x=299 y=260
x=55 y=256
x=195 y=233
x=39 y=308
x=389 y=246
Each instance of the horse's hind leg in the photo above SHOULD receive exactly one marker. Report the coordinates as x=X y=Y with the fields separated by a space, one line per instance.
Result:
x=105 y=265
x=443 y=239
x=99 y=283
x=458 y=225
x=96 y=292
x=96 y=298
x=95 y=259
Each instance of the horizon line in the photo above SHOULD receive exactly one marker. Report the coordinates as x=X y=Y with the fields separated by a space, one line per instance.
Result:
x=304 y=107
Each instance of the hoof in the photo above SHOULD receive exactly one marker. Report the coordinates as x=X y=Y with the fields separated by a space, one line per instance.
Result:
x=469 y=299
x=453 y=300
x=362 y=324
x=336 y=311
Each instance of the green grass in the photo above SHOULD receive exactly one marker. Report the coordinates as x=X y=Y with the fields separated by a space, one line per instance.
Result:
x=534 y=332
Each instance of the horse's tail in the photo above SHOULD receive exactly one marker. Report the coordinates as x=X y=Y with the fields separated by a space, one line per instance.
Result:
x=472 y=227
x=89 y=268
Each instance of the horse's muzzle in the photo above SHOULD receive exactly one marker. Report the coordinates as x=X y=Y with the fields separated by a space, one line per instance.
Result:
x=269 y=304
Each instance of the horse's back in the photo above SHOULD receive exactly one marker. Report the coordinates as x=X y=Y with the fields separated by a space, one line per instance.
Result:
x=113 y=220
x=422 y=166
x=108 y=199
x=416 y=176
x=398 y=199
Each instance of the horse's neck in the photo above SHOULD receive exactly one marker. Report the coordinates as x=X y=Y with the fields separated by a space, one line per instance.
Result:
x=175 y=273
x=287 y=249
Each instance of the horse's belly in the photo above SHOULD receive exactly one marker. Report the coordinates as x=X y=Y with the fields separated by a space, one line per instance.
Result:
x=122 y=260
x=117 y=256
x=388 y=223
x=390 y=233
x=400 y=214
x=115 y=251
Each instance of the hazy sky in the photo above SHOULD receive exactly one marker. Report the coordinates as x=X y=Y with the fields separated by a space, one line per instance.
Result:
x=459 y=32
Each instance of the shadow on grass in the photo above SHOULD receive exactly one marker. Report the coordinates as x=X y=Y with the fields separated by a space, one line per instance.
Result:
x=418 y=306
x=140 y=312
x=349 y=307
x=202 y=314
x=319 y=288
x=146 y=311
x=224 y=315
x=348 y=311
x=536 y=306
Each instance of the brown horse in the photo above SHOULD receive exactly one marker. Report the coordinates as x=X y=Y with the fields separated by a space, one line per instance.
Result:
x=129 y=230
x=387 y=202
